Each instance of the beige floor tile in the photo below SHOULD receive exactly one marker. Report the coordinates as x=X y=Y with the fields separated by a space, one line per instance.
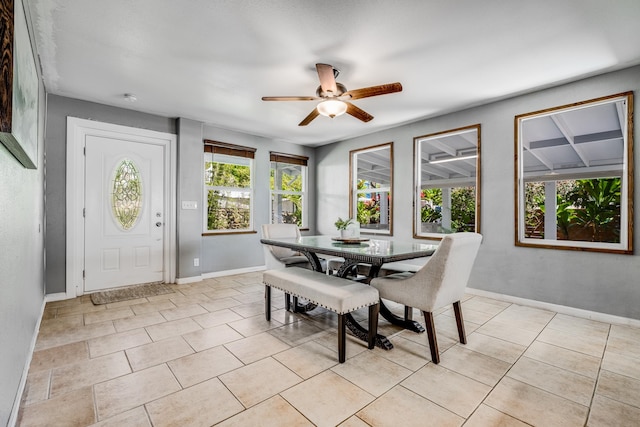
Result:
x=487 y=305
x=203 y=405
x=127 y=303
x=485 y=369
x=611 y=413
x=471 y=315
x=59 y=356
x=72 y=409
x=444 y=341
x=535 y=406
x=74 y=334
x=172 y=328
x=275 y=412
x=407 y=353
x=621 y=364
x=182 y=312
x=296 y=333
x=36 y=387
x=402 y=407
x=216 y=318
x=259 y=381
x=256 y=347
x=578 y=325
x=249 y=310
x=494 y=347
x=185 y=300
x=308 y=359
x=88 y=372
x=619 y=387
x=117 y=342
x=329 y=339
x=528 y=318
x=253 y=297
x=372 y=373
x=136 y=417
x=199 y=367
x=570 y=360
x=446 y=326
x=127 y=392
x=457 y=393
x=155 y=353
x=138 y=321
x=508 y=332
x=254 y=325
x=79 y=309
x=354 y=421
x=109 y=314
x=592 y=345
x=327 y=409
x=150 y=307
x=624 y=340
x=223 y=293
x=59 y=324
x=487 y=416
x=211 y=337
x=569 y=385
x=220 y=303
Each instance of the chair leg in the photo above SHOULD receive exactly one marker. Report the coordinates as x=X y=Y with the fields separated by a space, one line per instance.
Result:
x=431 y=336
x=267 y=302
x=457 y=308
x=341 y=338
x=374 y=310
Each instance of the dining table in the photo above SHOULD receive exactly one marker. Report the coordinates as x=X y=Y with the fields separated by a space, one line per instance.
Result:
x=355 y=253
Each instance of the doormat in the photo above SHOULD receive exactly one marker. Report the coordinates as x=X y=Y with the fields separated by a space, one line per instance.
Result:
x=130 y=292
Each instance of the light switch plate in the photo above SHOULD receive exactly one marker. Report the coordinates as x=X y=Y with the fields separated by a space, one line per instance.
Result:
x=189 y=205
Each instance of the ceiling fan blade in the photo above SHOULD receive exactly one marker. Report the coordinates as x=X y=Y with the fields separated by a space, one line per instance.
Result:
x=312 y=115
x=373 y=91
x=327 y=78
x=358 y=113
x=290 y=98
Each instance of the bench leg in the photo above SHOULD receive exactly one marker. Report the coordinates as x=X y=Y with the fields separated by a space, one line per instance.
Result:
x=287 y=302
x=341 y=338
x=295 y=304
x=374 y=310
x=267 y=302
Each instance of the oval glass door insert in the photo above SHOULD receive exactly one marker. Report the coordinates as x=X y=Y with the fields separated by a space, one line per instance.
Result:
x=126 y=195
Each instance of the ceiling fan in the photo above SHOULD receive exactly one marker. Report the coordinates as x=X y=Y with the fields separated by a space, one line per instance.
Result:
x=335 y=97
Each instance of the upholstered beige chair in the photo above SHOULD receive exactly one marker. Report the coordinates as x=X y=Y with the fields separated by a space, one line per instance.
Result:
x=278 y=257
x=440 y=282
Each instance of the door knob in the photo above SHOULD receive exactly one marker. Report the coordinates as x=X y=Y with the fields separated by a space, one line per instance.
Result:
x=158 y=224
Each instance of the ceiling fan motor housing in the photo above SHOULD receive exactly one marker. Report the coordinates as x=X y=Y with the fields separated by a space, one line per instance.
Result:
x=322 y=94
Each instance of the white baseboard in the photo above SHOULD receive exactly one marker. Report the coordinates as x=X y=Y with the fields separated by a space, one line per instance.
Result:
x=232 y=272
x=563 y=309
x=13 y=418
x=185 y=280
x=56 y=297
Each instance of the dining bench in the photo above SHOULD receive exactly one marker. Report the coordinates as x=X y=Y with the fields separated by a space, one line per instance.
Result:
x=339 y=295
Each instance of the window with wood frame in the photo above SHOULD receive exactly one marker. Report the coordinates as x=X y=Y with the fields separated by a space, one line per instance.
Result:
x=288 y=185
x=228 y=188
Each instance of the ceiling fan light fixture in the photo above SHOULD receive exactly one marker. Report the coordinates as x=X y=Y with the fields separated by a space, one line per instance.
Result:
x=332 y=108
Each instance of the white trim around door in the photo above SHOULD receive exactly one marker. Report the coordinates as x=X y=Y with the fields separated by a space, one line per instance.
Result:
x=77 y=131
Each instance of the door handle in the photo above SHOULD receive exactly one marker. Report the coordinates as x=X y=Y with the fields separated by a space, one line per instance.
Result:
x=158 y=224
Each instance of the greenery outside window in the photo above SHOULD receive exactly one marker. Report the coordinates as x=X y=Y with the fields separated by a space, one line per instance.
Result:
x=288 y=184
x=371 y=187
x=447 y=182
x=228 y=188
x=574 y=171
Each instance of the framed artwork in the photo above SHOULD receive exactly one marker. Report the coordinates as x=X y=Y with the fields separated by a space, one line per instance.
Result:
x=19 y=87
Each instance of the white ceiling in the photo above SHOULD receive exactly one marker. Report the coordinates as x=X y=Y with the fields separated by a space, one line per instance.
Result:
x=213 y=60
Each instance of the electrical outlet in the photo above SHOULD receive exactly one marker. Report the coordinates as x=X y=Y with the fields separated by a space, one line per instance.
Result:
x=186 y=204
x=196 y=262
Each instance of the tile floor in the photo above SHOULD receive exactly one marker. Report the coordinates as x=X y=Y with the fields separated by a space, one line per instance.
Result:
x=204 y=355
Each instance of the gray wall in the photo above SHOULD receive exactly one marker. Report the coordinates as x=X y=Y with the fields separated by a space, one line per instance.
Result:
x=600 y=282
x=58 y=108
x=21 y=263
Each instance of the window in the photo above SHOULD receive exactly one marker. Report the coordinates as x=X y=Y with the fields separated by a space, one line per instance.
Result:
x=371 y=186
x=228 y=188
x=574 y=168
x=447 y=177
x=288 y=184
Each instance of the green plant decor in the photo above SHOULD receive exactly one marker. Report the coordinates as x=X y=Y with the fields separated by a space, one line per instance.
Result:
x=342 y=224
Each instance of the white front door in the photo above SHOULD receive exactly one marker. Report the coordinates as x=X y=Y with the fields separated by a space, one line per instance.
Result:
x=124 y=212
